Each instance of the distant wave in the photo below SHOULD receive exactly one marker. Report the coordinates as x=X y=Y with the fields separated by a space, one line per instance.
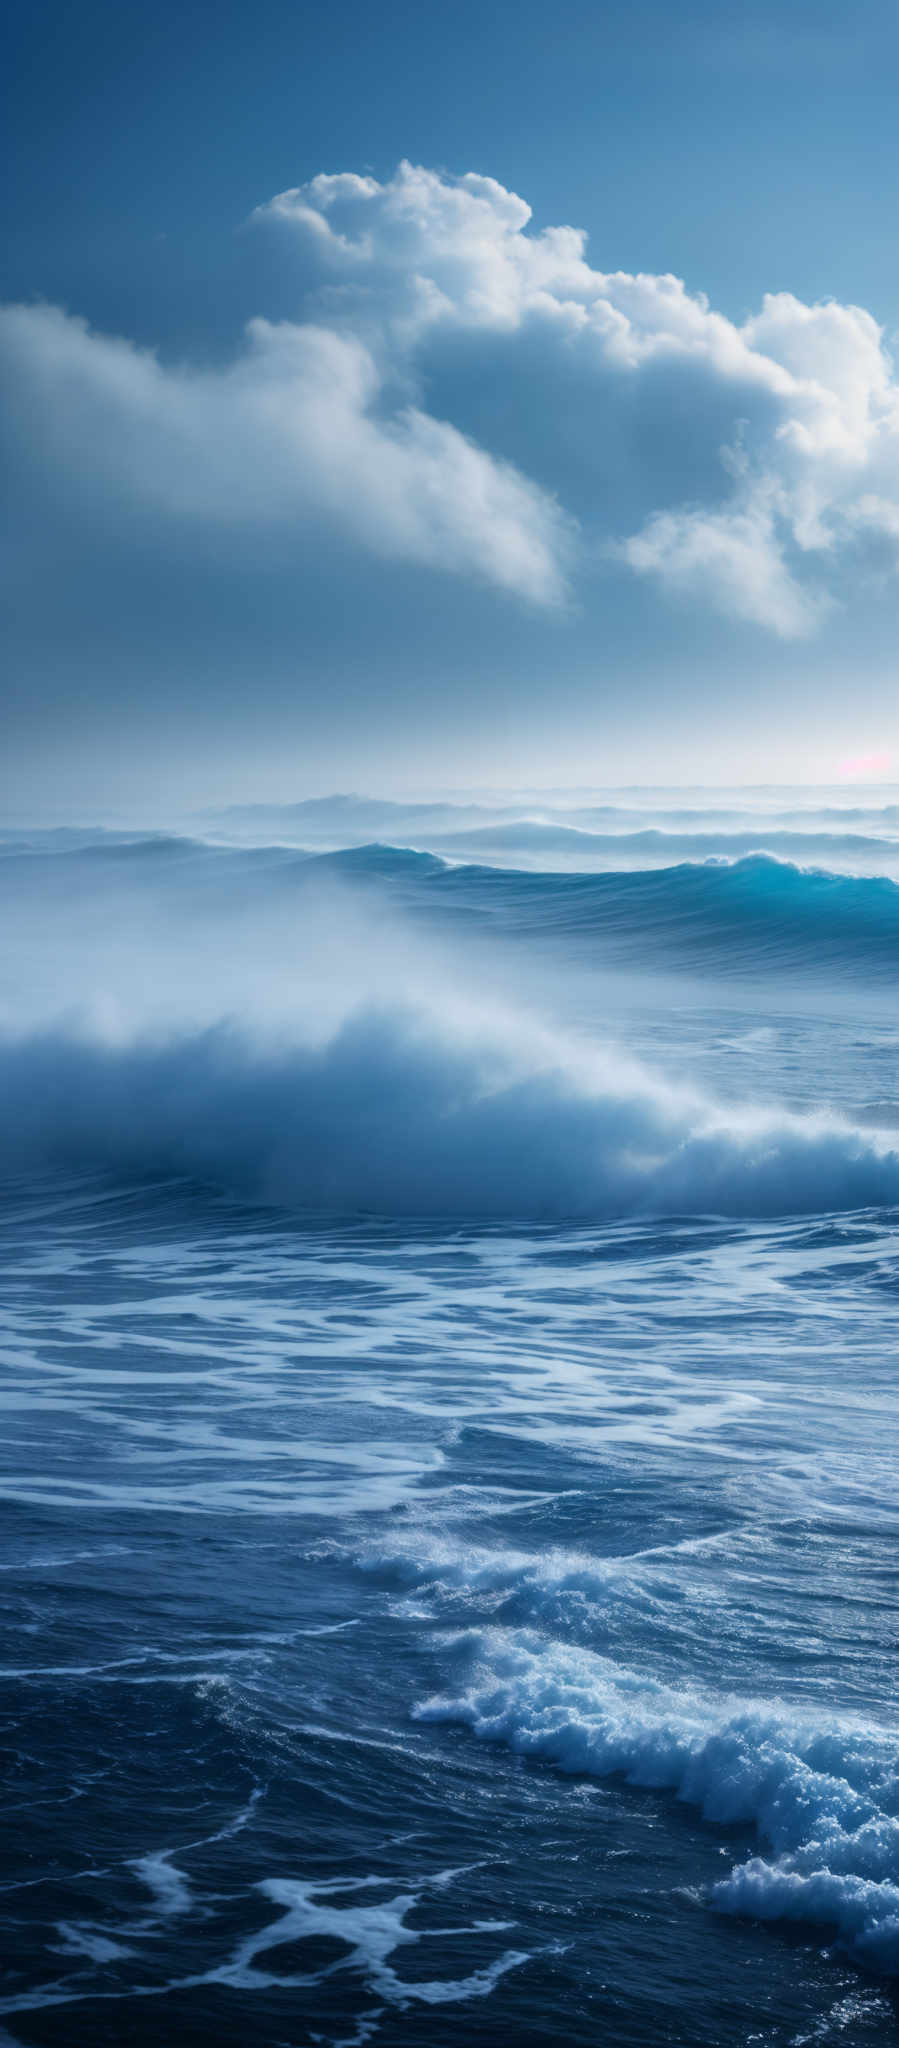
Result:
x=821 y=1793
x=397 y=1114
x=607 y=836
x=342 y=819
x=667 y=846
x=753 y=915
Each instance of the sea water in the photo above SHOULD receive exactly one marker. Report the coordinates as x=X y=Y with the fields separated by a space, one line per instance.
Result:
x=449 y=1487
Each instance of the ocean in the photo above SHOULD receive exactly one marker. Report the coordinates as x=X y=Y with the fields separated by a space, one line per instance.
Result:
x=449 y=1302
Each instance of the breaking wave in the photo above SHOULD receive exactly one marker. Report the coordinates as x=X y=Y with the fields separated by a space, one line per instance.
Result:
x=317 y=1030
x=398 y=1112
x=821 y=1794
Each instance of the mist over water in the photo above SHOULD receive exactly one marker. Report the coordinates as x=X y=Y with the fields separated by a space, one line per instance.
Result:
x=449 y=1371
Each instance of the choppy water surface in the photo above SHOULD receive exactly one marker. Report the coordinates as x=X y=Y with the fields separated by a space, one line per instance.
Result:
x=420 y=1628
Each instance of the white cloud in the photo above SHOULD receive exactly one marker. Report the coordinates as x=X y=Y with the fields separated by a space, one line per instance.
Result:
x=329 y=421
x=289 y=435
x=812 y=386
x=731 y=559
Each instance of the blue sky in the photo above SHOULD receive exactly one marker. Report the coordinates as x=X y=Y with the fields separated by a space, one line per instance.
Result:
x=323 y=470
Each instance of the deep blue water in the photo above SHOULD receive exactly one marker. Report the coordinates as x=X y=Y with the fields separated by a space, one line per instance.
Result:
x=449 y=1475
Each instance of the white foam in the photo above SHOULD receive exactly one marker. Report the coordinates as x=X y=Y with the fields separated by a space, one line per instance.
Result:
x=169 y=1886
x=822 y=1792
x=328 y=1628
x=545 y=1586
x=372 y=1932
x=82 y=1939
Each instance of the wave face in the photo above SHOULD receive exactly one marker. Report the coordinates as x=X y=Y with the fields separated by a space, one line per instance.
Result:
x=754 y=916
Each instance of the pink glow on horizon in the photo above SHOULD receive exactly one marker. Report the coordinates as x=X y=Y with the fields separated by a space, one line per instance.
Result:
x=865 y=764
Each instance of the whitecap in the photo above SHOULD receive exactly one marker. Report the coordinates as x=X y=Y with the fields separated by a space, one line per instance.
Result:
x=821 y=1792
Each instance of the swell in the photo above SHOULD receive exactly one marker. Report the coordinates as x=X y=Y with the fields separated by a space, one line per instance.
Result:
x=755 y=915
x=730 y=916
x=735 y=918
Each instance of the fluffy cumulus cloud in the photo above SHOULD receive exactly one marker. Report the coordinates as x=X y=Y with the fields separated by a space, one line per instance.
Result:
x=730 y=558
x=780 y=479
x=289 y=435
x=811 y=467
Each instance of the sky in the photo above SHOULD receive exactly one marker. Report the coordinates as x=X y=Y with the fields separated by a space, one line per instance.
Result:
x=407 y=398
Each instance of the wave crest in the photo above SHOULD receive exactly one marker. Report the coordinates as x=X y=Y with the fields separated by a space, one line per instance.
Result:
x=399 y=1114
x=821 y=1795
